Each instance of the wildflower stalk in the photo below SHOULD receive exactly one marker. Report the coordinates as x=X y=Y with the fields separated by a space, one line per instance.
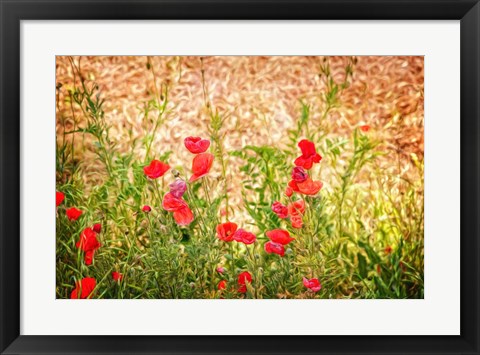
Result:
x=216 y=123
x=160 y=103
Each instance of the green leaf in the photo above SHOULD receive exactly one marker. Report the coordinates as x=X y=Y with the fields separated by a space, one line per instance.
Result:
x=362 y=265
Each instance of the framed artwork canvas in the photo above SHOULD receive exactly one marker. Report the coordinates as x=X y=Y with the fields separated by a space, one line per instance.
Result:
x=299 y=185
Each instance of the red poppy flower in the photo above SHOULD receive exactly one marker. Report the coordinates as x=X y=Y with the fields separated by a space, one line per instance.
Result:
x=73 y=213
x=297 y=207
x=280 y=210
x=181 y=212
x=272 y=247
x=156 y=169
x=146 y=208
x=388 y=249
x=312 y=284
x=201 y=165
x=222 y=285
x=171 y=203
x=299 y=174
x=88 y=243
x=196 y=145
x=226 y=231
x=244 y=237
x=84 y=288
x=309 y=155
x=296 y=221
x=288 y=191
x=365 y=128
x=97 y=228
x=220 y=270
x=279 y=236
x=60 y=196
x=243 y=278
x=183 y=216
x=178 y=188
x=117 y=276
x=308 y=187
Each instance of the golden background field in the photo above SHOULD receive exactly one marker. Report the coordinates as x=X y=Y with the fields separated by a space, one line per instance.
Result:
x=261 y=98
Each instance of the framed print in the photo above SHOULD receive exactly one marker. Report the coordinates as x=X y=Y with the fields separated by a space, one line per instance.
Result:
x=238 y=177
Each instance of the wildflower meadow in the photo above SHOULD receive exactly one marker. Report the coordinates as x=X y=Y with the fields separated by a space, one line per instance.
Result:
x=239 y=177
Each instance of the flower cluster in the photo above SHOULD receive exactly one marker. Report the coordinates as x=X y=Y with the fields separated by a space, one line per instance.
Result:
x=242 y=279
x=301 y=182
x=203 y=161
x=173 y=202
x=294 y=210
x=228 y=232
x=278 y=239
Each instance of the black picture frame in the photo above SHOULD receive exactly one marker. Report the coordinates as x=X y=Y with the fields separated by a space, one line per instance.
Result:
x=14 y=11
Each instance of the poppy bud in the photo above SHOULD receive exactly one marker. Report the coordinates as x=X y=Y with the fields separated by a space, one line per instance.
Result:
x=97 y=228
x=178 y=188
x=146 y=208
x=365 y=128
x=299 y=174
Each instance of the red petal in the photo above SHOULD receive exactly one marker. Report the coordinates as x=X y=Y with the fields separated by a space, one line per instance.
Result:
x=117 y=276
x=89 y=257
x=60 y=196
x=201 y=165
x=307 y=147
x=244 y=277
x=156 y=169
x=245 y=237
x=311 y=187
x=272 y=247
x=183 y=216
x=73 y=213
x=172 y=203
x=196 y=145
x=86 y=286
x=297 y=207
x=88 y=240
x=304 y=162
x=279 y=236
x=296 y=221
